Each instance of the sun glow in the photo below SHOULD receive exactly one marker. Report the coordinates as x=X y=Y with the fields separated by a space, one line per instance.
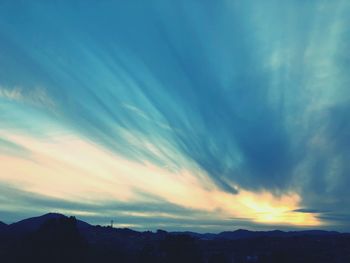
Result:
x=73 y=169
x=270 y=209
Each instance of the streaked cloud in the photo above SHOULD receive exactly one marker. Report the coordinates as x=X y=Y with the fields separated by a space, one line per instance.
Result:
x=232 y=108
x=73 y=170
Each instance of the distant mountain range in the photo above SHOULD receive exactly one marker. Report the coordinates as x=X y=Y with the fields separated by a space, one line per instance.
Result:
x=33 y=224
x=57 y=238
x=242 y=234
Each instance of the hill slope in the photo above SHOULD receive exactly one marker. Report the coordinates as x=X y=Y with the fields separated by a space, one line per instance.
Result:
x=33 y=224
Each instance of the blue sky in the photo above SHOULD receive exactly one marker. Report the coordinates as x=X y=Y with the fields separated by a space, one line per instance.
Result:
x=202 y=115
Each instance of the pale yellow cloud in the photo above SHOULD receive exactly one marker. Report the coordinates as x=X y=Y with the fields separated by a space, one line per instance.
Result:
x=73 y=169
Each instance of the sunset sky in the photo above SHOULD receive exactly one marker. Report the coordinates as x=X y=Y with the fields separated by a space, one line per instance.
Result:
x=182 y=115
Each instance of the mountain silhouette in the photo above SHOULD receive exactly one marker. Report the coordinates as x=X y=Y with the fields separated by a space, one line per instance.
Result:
x=3 y=226
x=246 y=234
x=242 y=233
x=33 y=224
x=57 y=238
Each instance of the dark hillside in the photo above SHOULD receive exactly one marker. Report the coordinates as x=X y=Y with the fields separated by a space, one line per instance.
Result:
x=57 y=238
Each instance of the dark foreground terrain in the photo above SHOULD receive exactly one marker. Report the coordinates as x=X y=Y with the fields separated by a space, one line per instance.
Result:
x=57 y=238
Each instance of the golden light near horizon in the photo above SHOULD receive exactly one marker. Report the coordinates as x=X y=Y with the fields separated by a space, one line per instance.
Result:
x=270 y=209
x=73 y=169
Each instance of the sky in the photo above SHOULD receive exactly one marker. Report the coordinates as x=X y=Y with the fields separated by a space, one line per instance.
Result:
x=181 y=115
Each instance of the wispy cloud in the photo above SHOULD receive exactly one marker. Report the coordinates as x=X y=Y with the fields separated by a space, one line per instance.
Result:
x=73 y=170
x=34 y=97
x=246 y=112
